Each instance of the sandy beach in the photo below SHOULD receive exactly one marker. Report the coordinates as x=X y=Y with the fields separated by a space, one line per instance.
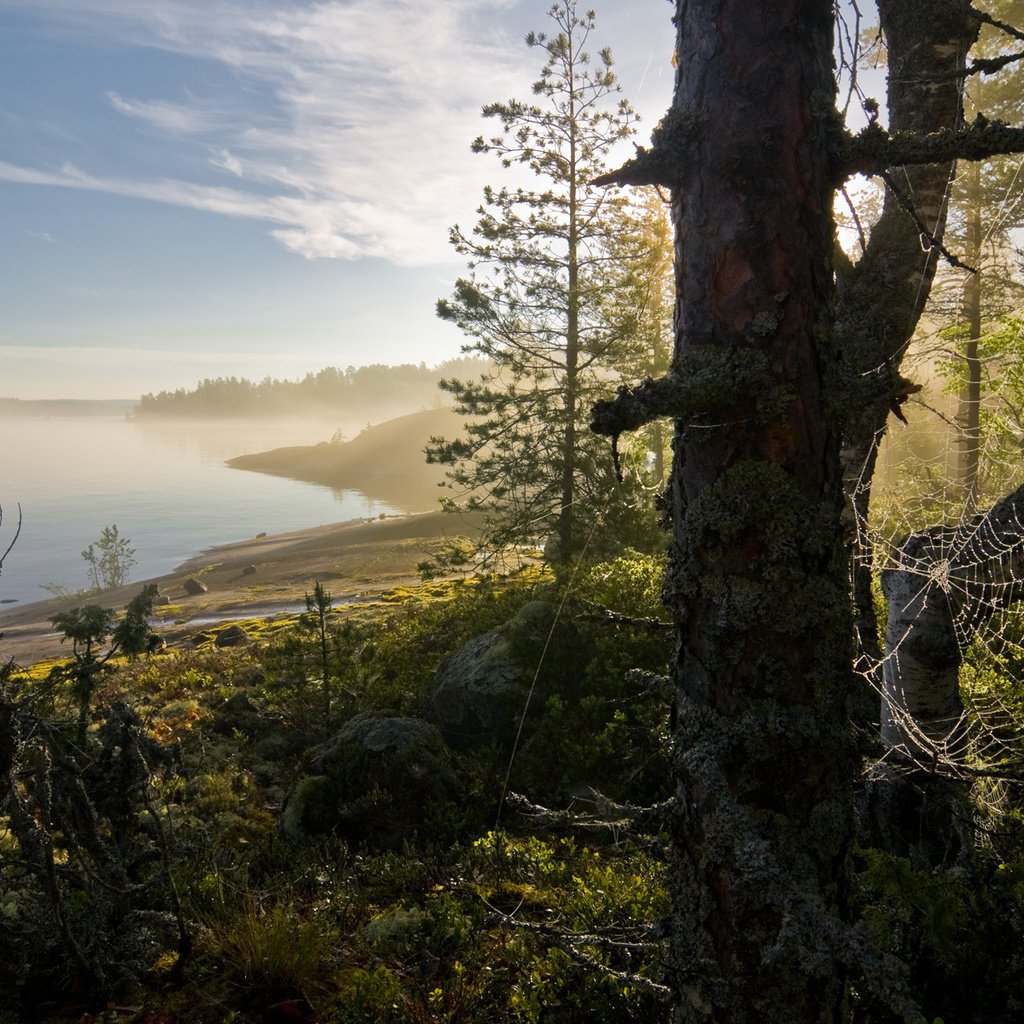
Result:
x=257 y=578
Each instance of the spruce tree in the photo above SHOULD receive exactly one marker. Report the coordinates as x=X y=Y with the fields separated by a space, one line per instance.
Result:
x=548 y=302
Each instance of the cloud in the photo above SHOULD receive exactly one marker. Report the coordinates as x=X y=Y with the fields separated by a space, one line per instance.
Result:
x=226 y=162
x=316 y=226
x=174 y=118
x=354 y=137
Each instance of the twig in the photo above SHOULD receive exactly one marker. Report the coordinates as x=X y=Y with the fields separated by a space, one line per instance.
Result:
x=17 y=533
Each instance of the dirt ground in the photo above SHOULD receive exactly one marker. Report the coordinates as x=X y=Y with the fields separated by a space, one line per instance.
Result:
x=258 y=578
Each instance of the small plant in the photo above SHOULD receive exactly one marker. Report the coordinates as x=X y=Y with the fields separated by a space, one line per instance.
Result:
x=314 y=620
x=109 y=559
x=275 y=949
x=89 y=629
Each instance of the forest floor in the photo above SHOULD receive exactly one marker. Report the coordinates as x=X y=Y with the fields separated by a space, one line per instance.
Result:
x=356 y=561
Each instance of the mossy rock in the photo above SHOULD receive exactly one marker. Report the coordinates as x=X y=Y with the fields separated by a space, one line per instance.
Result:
x=378 y=783
x=481 y=692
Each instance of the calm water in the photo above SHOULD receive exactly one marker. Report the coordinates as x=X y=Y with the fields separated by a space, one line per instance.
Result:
x=164 y=485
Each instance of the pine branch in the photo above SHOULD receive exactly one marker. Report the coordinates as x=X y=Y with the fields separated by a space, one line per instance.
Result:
x=705 y=381
x=673 y=146
x=987 y=19
x=634 y=407
x=926 y=235
x=873 y=151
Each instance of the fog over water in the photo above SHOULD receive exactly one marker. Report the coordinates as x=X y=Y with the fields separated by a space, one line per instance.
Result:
x=164 y=484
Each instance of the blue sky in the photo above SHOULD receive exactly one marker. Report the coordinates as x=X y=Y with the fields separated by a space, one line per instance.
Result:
x=194 y=188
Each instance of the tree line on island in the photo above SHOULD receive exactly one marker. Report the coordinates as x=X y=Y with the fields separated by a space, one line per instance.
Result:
x=368 y=391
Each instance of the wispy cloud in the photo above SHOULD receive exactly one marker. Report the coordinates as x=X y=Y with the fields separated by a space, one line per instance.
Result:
x=174 y=118
x=354 y=138
x=227 y=162
x=317 y=225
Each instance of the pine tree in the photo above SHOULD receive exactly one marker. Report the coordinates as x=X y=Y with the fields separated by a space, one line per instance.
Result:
x=548 y=303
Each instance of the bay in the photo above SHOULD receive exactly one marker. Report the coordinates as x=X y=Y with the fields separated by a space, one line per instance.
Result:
x=164 y=484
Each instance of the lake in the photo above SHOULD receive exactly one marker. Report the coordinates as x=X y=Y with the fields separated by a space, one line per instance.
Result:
x=164 y=484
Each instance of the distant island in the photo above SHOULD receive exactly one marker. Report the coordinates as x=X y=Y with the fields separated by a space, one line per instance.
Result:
x=377 y=392
x=385 y=462
x=66 y=407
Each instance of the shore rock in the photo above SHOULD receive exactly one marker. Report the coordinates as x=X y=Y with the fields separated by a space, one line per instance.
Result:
x=233 y=636
x=195 y=587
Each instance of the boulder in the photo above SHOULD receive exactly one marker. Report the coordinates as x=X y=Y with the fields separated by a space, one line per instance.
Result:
x=377 y=782
x=238 y=715
x=232 y=636
x=480 y=694
x=161 y=601
x=195 y=587
x=248 y=570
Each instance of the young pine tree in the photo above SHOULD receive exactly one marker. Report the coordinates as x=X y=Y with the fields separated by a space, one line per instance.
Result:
x=550 y=305
x=110 y=559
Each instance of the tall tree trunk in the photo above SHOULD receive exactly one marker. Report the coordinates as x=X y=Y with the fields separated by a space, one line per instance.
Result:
x=567 y=511
x=762 y=379
x=970 y=395
x=879 y=299
x=921 y=708
x=757 y=580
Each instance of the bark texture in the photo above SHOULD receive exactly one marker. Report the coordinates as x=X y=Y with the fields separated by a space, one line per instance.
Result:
x=757 y=583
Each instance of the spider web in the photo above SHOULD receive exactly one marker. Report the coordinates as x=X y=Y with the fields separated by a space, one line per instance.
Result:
x=954 y=568
x=960 y=566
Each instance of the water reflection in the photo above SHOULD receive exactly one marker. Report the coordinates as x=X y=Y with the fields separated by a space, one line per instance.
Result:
x=163 y=483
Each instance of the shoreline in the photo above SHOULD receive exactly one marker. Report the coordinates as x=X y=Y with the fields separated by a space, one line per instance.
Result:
x=357 y=560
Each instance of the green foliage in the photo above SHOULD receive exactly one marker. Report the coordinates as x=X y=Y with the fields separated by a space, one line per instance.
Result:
x=958 y=930
x=459 y=923
x=110 y=559
x=318 y=672
x=83 y=880
x=132 y=635
x=560 y=301
x=274 y=949
x=89 y=628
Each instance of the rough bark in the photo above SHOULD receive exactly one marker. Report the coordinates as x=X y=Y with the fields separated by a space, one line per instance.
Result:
x=775 y=359
x=757 y=583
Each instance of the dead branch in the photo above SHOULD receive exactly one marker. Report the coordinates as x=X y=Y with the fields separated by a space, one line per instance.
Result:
x=17 y=533
x=608 y=818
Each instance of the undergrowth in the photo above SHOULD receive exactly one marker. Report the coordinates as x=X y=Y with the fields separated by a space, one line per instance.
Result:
x=463 y=920
x=459 y=911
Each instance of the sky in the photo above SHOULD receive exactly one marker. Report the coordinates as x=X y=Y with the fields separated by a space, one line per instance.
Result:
x=204 y=188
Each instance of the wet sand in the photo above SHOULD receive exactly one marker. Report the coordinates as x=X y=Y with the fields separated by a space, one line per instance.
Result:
x=257 y=578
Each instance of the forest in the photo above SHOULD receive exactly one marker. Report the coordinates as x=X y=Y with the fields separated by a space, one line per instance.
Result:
x=373 y=392
x=719 y=715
